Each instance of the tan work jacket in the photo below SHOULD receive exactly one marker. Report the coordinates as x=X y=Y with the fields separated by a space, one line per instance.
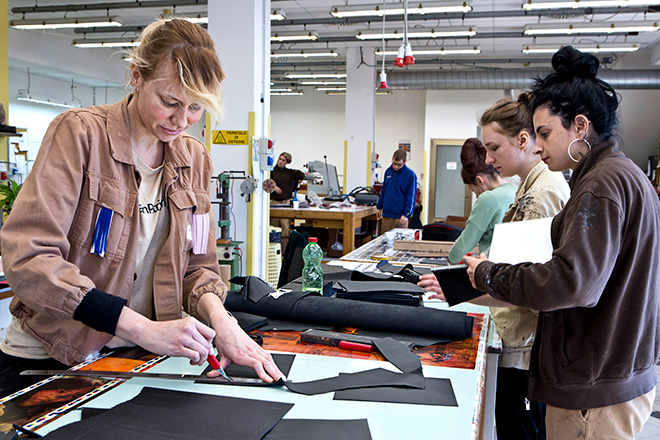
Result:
x=85 y=162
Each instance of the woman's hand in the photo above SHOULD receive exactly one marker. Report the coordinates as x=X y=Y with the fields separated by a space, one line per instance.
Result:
x=429 y=283
x=234 y=345
x=185 y=337
x=472 y=263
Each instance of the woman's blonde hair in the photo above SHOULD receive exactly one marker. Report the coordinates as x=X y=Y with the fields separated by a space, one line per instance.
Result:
x=190 y=48
x=510 y=117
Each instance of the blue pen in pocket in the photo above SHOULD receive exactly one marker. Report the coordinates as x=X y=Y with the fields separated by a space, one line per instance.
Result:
x=101 y=230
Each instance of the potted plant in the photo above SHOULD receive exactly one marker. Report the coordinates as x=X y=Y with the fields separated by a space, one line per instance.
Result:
x=8 y=194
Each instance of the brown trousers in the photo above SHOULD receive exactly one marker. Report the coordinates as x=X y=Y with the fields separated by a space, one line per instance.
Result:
x=615 y=422
x=387 y=224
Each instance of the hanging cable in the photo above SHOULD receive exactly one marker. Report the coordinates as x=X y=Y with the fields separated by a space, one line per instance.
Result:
x=383 y=75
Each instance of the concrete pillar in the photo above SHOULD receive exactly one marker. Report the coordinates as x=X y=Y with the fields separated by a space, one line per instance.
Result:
x=241 y=32
x=360 y=114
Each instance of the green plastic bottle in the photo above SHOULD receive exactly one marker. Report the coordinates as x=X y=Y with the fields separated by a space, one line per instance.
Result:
x=312 y=275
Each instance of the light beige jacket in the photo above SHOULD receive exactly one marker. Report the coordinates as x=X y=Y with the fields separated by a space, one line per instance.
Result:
x=85 y=162
x=542 y=194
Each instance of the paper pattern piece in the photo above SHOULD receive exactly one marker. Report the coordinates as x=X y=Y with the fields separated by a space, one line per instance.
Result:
x=520 y=242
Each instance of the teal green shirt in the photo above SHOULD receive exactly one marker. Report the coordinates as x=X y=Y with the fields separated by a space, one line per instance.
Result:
x=487 y=211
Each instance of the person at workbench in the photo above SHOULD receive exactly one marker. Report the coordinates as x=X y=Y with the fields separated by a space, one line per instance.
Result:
x=398 y=195
x=112 y=234
x=509 y=137
x=287 y=180
x=598 y=340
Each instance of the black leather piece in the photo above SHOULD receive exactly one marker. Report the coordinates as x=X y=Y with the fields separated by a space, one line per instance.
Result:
x=306 y=429
x=159 y=414
x=298 y=306
x=377 y=377
x=437 y=392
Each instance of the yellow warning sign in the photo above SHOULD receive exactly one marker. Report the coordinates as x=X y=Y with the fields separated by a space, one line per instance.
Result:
x=230 y=137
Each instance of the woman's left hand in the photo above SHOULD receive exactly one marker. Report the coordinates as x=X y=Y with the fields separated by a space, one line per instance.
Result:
x=234 y=345
x=472 y=263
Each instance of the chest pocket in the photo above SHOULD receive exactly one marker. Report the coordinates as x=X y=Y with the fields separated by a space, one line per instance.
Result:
x=99 y=191
x=185 y=204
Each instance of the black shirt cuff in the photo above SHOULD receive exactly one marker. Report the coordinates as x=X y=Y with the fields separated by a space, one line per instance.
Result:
x=100 y=311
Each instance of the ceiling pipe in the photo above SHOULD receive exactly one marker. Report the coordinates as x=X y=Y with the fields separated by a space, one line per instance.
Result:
x=519 y=79
x=107 y=6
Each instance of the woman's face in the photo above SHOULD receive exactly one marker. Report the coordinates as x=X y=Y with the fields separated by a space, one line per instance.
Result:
x=163 y=108
x=502 y=151
x=552 y=140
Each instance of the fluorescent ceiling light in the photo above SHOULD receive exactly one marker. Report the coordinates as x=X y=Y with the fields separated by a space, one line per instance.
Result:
x=293 y=53
x=315 y=75
x=66 y=23
x=193 y=17
x=435 y=51
x=447 y=32
x=378 y=10
x=277 y=14
x=106 y=42
x=591 y=28
x=336 y=89
x=28 y=97
x=293 y=93
x=322 y=83
x=295 y=36
x=576 y=4
x=335 y=93
x=593 y=48
x=281 y=89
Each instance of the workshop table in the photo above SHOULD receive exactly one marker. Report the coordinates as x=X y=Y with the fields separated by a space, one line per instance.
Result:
x=386 y=420
x=348 y=219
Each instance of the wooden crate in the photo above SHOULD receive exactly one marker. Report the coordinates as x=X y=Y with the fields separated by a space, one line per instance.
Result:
x=423 y=246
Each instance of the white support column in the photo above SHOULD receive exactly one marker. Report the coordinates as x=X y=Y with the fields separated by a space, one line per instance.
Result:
x=241 y=32
x=360 y=114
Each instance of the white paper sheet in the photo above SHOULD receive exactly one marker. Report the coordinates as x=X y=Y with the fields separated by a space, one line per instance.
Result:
x=519 y=242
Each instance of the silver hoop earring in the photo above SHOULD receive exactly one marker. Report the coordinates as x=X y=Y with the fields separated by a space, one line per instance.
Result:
x=574 y=141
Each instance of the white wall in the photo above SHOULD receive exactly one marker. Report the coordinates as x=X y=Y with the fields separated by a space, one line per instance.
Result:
x=312 y=125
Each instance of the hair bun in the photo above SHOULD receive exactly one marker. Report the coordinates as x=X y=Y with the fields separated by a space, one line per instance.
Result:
x=571 y=63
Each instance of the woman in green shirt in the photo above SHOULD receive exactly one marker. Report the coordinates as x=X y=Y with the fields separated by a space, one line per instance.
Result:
x=494 y=195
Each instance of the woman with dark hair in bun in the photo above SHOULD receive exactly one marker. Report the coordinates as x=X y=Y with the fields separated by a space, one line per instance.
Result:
x=598 y=338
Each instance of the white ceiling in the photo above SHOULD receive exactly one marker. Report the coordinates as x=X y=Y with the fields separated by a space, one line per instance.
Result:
x=502 y=47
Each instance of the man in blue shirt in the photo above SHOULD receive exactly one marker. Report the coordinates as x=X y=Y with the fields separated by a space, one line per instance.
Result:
x=398 y=195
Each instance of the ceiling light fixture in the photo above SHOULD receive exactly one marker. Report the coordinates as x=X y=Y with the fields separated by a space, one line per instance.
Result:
x=22 y=96
x=591 y=28
x=295 y=36
x=594 y=48
x=87 y=43
x=379 y=10
x=292 y=93
x=322 y=83
x=197 y=18
x=66 y=23
x=277 y=14
x=448 y=32
x=576 y=4
x=436 y=51
x=334 y=89
x=315 y=75
x=307 y=53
